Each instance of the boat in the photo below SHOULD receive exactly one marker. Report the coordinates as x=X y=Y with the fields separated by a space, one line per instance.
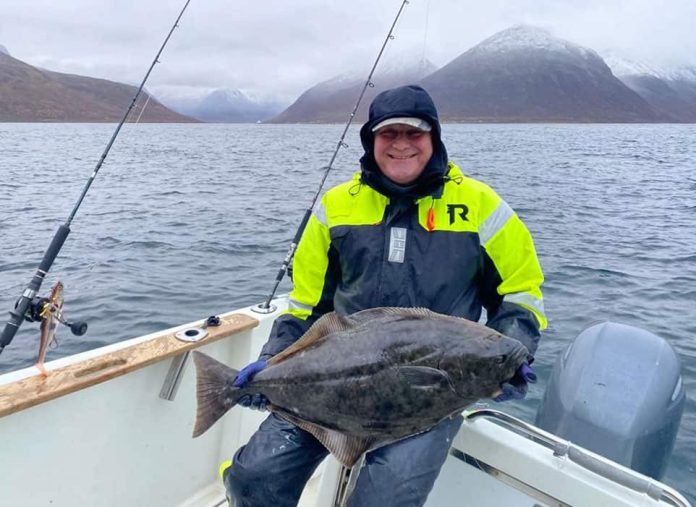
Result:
x=112 y=426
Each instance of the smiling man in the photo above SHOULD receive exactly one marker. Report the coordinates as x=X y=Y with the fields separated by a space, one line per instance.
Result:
x=403 y=147
x=409 y=230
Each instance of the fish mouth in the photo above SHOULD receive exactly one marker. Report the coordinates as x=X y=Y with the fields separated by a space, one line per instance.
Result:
x=514 y=360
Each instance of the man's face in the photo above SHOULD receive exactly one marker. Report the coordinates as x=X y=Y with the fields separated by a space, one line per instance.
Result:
x=402 y=152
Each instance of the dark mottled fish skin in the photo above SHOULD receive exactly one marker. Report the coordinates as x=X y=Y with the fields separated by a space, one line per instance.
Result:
x=379 y=375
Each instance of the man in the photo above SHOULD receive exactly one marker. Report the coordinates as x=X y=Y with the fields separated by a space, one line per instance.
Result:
x=409 y=230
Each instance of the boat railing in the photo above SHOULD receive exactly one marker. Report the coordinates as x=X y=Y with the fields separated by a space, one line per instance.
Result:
x=30 y=389
x=588 y=460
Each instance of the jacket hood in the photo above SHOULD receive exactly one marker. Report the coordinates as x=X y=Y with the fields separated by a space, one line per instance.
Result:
x=408 y=101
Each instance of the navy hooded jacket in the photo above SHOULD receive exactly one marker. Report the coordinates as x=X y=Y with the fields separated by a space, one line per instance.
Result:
x=446 y=242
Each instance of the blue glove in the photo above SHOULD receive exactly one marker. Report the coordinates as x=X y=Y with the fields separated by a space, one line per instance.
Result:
x=248 y=372
x=254 y=401
x=516 y=387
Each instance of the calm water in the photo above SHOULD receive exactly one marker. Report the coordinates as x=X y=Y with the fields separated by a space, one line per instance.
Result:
x=185 y=221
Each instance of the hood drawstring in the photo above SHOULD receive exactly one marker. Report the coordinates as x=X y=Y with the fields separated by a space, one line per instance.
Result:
x=455 y=179
x=355 y=189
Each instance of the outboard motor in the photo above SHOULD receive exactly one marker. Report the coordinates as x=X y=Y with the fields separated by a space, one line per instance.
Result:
x=617 y=391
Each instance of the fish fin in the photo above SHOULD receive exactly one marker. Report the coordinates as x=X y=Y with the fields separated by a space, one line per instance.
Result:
x=346 y=448
x=212 y=382
x=371 y=314
x=375 y=313
x=325 y=325
x=424 y=377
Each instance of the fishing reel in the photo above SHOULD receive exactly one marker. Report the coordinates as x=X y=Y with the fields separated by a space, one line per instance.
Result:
x=40 y=308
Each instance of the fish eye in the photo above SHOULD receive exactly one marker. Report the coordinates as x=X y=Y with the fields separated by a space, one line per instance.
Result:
x=502 y=359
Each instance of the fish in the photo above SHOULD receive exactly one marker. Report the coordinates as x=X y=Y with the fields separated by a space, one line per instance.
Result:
x=362 y=381
x=51 y=314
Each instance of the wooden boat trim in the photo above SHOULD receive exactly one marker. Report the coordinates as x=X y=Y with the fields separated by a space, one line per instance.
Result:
x=36 y=389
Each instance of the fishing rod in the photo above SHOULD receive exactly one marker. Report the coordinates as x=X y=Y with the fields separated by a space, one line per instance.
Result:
x=265 y=307
x=30 y=307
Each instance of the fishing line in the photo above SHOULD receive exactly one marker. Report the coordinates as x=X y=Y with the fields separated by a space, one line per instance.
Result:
x=266 y=306
x=31 y=290
x=142 y=109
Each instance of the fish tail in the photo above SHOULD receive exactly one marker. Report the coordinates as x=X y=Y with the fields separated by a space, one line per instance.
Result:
x=214 y=399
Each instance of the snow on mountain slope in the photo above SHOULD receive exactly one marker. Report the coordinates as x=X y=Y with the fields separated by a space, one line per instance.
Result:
x=224 y=105
x=332 y=100
x=525 y=38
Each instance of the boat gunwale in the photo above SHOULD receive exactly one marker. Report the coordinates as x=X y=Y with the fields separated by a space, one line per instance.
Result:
x=25 y=388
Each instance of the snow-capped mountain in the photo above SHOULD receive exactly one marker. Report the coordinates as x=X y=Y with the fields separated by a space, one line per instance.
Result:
x=683 y=73
x=623 y=66
x=528 y=37
x=234 y=106
x=671 y=91
x=222 y=105
x=332 y=101
x=525 y=73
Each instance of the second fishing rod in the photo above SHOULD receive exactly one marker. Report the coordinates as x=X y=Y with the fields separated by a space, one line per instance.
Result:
x=266 y=307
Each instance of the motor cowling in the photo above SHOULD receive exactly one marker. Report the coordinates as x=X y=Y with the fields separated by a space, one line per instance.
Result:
x=617 y=391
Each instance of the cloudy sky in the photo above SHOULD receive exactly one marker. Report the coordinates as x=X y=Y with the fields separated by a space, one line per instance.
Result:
x=279 y=48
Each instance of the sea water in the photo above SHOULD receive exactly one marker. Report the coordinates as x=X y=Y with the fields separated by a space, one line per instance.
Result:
x=187 y=221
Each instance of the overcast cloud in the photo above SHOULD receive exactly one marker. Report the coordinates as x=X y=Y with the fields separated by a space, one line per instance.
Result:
x=279 y=48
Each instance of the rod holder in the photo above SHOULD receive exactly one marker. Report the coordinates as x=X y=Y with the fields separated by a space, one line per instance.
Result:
x=174 y=376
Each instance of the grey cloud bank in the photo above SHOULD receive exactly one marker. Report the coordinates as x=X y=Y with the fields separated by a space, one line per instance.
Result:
x=277 y=49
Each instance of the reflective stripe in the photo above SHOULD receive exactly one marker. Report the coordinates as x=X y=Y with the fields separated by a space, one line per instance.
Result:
x=319 y=213
x=524 y=299
x=296 y=305
x=397 y=244
x=495 y=222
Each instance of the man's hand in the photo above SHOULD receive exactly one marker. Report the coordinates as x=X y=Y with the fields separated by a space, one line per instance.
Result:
x=254 y=401
x=248 y=372
x=516 y=387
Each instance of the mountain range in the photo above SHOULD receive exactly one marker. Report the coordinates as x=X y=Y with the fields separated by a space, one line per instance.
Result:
x=221 y=105
x=525 y=74
x=521 y=74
